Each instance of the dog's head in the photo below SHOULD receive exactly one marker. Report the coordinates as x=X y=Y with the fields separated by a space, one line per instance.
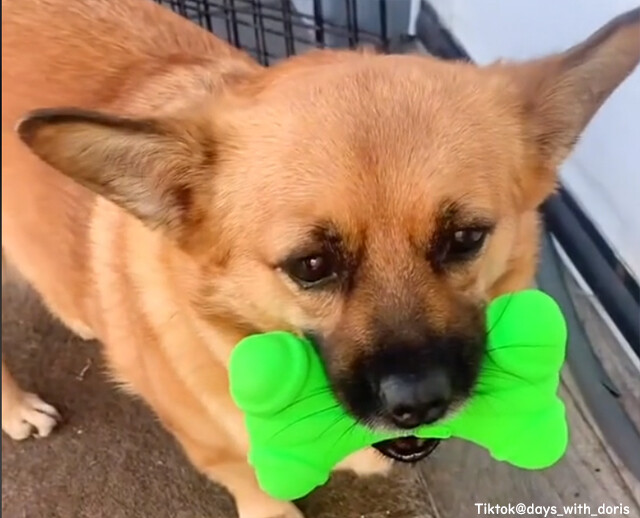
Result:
x=374 y=203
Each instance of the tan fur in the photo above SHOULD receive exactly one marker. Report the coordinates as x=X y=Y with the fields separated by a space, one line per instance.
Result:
x=210 y=169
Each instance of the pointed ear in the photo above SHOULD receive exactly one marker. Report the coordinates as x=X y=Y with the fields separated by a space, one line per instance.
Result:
x=155 y=169
x=564 y=91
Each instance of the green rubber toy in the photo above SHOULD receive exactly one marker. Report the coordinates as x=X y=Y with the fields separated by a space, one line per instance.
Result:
x=298 y=432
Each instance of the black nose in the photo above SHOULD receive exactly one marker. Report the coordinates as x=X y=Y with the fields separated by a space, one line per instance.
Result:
x=410 y=400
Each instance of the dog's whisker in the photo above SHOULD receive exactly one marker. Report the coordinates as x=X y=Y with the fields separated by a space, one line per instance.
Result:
x=314 y=394
x=308 y=416
x=346 y=431
x=337 y=420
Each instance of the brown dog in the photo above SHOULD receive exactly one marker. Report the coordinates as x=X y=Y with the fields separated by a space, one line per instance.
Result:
x=169 y=196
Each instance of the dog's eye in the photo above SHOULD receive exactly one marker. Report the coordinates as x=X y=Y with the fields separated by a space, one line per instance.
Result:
x=311 y=270
x=464 y=243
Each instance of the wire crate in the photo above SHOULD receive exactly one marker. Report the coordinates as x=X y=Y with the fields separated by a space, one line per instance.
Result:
x=273 y=29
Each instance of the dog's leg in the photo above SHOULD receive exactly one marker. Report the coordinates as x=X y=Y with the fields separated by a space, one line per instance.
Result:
x=23 y=413
x=251 y=501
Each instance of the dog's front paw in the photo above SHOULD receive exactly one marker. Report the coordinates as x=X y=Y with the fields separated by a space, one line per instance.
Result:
x=26 y=415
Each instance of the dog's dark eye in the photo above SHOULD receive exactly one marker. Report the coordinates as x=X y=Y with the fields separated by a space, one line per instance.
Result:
x=311 y=270
x=464 y=243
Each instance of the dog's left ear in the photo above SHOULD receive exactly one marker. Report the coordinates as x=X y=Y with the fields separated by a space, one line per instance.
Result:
x=561 y=93
x=159 y=170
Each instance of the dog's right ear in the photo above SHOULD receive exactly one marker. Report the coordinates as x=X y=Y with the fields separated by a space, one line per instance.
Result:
x=157 y=169
x=561 y=93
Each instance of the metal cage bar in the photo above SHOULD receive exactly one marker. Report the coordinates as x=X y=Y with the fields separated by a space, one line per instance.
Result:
x=274 y=29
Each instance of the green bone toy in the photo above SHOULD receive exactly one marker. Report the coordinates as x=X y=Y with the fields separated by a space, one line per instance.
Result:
x=299 y=433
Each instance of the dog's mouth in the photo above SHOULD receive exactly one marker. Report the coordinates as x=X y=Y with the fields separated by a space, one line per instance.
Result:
x=407 y=449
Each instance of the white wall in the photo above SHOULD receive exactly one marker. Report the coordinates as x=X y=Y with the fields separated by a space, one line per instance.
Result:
x=603 y=173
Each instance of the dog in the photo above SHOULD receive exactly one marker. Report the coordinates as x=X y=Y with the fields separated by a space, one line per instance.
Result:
x=168 y=196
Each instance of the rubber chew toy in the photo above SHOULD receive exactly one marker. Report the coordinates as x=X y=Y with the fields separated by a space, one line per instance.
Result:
x=299 y=432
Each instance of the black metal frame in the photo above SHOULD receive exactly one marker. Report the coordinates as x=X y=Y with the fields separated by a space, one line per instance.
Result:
x=272 y=29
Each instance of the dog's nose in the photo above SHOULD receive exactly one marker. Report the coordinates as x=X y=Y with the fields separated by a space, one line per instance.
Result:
x=410 y=401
